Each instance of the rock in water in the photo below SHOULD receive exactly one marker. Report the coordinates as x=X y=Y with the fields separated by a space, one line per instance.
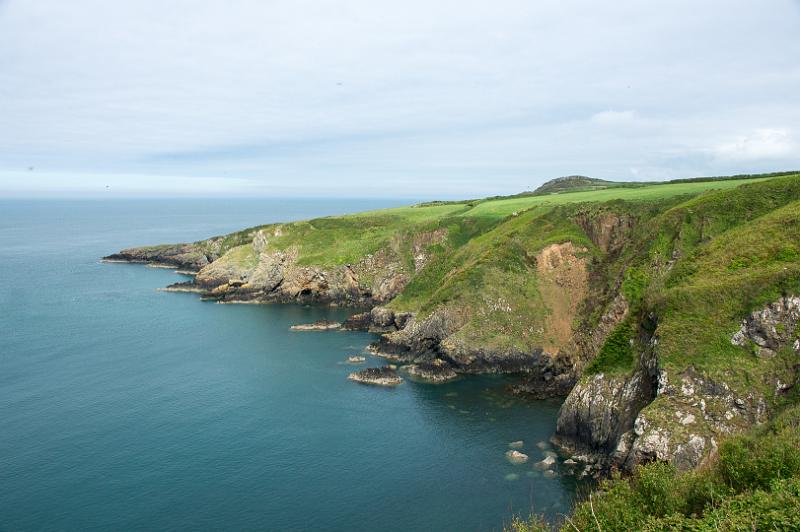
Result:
x=516 y=444
x=550 y=474
x=384 y=376
x=437 y=371
x=356 y=360
x=546 y=463
x=322 y=325
x=516 y=457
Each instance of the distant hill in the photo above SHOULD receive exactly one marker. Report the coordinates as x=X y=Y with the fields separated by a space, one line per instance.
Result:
x=573 y=183
x=582 y=183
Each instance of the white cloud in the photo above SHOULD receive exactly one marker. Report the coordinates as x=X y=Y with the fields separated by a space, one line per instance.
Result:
x=453 y=97
x=760 y=144
x=614 y=118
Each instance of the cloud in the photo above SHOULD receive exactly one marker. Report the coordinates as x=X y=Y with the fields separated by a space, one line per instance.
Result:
x=614 y=118
x=760 y=144
x=447 y=97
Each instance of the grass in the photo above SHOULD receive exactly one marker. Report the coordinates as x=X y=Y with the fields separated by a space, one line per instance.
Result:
x=338 y=240
x=505 y=207
x=753 y=485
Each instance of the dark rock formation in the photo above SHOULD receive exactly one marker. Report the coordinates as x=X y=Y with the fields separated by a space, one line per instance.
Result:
x=184 y=256
x=437 y=371
x=383 y=376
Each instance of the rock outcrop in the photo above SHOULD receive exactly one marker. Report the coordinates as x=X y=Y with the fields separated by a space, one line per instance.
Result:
x=619 y=421
x=437 y=371
x=185 y=256
x=383 y=376
x=321 y=325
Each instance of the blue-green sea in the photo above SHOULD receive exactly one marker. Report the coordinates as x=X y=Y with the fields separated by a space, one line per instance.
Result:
x=126 y=408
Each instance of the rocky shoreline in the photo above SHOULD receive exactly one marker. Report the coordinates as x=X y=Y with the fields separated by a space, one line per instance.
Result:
x=608 y=306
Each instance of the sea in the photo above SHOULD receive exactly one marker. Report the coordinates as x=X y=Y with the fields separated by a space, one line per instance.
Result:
x=123 y=407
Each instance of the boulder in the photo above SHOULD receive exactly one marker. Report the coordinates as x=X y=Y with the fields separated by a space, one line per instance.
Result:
x=516 y=457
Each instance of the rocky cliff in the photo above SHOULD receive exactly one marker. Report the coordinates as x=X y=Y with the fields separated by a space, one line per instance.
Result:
x=666 y=324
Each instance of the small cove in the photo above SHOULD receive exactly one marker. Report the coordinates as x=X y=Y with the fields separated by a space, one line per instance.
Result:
x=127 y=407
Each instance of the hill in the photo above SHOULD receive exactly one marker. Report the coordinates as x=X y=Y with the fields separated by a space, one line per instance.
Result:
x=573 y=183
x=666 y=315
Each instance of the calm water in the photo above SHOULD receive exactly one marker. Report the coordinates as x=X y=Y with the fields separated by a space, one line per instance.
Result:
x=122 y=407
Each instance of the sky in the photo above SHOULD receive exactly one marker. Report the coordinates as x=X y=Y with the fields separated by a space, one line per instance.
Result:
x=370 y=98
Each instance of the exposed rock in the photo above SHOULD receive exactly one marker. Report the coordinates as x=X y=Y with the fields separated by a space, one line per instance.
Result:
x=771 y=328
x=383 y=376
x=649 y=414
x=356 y=359
x=607 y=230
x=188 y=286
x=437 y=371
x=321 y=325
x=548 y=462
x=184 y=256
x=421 y=244
x=601 y=408
x=382 y=320
x=516 y=457
x=356 y=322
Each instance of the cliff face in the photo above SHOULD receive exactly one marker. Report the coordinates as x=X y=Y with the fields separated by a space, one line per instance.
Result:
x=711 y=347
x=667 y=325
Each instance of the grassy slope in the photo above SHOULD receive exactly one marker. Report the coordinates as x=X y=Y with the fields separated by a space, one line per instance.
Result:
x=733 y=251
x=339 y=240
x=754 y=485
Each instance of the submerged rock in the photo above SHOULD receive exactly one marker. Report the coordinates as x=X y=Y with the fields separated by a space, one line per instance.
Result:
x=383 y=376
x=516 y=444
x=437 y=371
x=550 y=474
x=516 y=457
x=321 y=325
x=547 y=463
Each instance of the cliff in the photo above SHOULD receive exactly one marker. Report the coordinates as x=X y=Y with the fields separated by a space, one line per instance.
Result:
x=666 y=314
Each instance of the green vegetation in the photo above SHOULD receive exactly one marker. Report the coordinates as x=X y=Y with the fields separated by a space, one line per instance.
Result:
x=616 y=355
x=575 y=183
x=754 y=484
x=541 y=271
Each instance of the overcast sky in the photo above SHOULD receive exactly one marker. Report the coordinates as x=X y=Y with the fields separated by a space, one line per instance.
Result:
x=404 y=98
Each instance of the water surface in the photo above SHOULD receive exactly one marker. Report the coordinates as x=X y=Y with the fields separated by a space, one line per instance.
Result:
x=123 y=407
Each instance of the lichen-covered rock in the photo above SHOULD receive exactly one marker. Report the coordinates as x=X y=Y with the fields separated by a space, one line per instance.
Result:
x=770 y=328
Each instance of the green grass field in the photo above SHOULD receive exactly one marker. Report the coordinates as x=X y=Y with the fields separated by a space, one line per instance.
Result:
x=346 y=239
